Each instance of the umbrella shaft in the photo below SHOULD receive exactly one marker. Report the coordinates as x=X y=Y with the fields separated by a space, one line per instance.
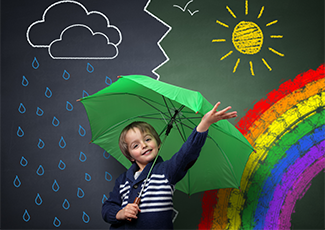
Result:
x=173 y=119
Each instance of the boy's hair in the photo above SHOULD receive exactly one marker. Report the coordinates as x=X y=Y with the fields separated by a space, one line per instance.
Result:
x=143 y=127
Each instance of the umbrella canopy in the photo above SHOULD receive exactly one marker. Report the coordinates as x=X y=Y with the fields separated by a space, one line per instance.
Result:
x=141 y=98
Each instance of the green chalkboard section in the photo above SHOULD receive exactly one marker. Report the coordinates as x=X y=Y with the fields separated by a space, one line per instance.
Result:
x=194 y=60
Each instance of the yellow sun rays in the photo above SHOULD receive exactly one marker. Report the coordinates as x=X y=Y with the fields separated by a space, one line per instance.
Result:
x=248 y=38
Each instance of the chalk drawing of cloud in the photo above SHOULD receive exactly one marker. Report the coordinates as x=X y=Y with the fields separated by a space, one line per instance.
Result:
x=67 y=14
x=80 y=42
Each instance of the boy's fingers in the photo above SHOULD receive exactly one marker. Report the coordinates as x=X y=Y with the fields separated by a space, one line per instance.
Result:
x=225 y=110
x=216 y=106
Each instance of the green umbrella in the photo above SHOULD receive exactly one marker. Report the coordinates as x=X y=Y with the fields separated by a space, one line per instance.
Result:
x=140 y=98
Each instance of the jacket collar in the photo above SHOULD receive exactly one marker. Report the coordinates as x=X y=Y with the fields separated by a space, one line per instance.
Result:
x=143 y=175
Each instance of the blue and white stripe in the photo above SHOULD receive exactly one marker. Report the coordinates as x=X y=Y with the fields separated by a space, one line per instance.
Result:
x=157 y=195
x=124 y=192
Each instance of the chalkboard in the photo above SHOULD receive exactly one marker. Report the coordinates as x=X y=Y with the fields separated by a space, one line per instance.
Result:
x=264 y=58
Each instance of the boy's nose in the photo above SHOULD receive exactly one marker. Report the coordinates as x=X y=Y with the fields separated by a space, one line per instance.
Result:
x=144 y=145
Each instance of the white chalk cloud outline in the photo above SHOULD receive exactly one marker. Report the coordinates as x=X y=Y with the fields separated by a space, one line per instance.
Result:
x=88 y=13
x=92 y=33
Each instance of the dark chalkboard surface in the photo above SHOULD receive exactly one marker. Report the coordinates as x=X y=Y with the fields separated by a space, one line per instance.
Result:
x=55 y=52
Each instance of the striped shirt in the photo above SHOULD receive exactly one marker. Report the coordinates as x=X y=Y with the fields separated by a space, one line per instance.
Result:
x=157 y=197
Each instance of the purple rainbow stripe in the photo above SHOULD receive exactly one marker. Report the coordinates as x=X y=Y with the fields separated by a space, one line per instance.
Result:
x=286 y=187
x=300 y=140
x=300 y=188
x=268 y=208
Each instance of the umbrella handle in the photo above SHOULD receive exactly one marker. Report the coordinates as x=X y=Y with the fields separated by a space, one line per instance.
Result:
x=137 y=200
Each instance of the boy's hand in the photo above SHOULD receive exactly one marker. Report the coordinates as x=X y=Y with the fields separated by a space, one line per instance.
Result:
x=129 y=212
x=213 y=116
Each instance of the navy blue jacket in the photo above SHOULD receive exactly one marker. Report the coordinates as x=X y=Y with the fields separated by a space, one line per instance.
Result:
x=157 y=198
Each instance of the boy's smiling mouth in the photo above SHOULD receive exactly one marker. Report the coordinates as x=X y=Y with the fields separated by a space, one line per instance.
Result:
x=147 y=152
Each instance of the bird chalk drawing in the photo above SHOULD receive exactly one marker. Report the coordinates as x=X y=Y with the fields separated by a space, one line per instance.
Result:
x=184 y=9
x=96 y=37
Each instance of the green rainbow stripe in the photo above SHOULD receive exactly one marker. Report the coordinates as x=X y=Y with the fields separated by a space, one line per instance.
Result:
x=296 y=109
x=267 y=145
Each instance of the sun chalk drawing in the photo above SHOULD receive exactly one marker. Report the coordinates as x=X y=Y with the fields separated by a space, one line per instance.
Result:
x=248 y=39
x=162 y=38
x=59 y=37
x=188 y=10
x=287 y=131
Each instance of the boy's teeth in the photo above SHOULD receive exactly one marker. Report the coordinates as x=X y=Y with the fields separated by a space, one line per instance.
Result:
x=146 y=152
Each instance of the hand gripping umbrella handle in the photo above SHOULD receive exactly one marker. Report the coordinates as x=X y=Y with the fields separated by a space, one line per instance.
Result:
x=137 y=200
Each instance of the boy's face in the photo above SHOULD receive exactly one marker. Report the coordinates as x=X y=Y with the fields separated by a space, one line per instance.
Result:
x=142 y=147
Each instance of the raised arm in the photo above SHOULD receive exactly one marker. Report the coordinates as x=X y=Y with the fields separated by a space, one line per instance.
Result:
x=214 y=116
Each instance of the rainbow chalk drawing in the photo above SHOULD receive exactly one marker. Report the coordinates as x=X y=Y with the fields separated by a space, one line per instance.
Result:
x=287 y=131
x=248 y=38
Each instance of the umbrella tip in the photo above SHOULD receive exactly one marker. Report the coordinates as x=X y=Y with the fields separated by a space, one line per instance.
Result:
x=196 y=112
x=118 y=76
x=79 y=99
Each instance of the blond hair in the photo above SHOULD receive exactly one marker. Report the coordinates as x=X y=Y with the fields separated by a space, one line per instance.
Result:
x=143 y=127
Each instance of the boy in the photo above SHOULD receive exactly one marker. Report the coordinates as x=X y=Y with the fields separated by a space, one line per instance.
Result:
x=140 y=143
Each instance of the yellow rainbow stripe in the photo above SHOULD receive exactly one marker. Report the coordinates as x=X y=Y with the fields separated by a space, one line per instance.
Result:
x=263 y=134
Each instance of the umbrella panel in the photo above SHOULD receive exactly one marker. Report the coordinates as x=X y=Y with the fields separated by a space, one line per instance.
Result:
x=222 y=159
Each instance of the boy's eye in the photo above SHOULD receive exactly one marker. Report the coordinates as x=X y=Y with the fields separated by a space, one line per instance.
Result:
x=148 y=139
x=135 y=146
